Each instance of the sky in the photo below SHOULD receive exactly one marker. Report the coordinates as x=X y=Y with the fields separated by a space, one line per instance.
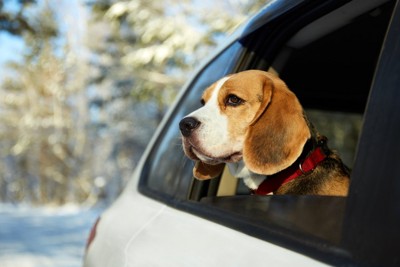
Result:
x=70 y=14
x=10 y=48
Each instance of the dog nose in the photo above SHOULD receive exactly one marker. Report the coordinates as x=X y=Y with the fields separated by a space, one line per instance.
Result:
x=187 y=125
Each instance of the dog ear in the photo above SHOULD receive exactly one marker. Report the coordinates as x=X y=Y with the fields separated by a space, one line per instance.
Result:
x=203 y=171
x=278 y=132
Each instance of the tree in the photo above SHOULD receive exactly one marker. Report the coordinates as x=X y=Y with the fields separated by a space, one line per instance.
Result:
x=68 y=127
x=43 y=118
x=155 y=44
x=142 y=52
x=16 y=23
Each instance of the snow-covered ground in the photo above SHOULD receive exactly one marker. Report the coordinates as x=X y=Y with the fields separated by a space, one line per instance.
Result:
x=44 y=237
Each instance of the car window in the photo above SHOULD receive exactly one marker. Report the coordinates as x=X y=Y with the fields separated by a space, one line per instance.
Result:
x=331 y=75
x=167 y=167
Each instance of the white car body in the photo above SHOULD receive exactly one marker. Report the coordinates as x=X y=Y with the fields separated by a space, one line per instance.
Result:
x=147 y=233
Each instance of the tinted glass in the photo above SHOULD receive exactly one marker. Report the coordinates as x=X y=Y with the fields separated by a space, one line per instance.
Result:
x=167 y=169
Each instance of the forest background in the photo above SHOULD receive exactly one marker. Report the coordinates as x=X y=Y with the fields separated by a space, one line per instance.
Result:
x=87 y=83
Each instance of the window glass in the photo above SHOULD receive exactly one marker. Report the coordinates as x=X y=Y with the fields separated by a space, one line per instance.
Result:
x=167 y=167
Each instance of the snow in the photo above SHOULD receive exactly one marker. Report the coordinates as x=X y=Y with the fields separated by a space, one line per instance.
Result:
x=44 y=236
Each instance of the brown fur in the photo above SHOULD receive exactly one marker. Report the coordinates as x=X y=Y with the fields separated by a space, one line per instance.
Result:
x=204 y=171
x=330 y=177
x=278 y=133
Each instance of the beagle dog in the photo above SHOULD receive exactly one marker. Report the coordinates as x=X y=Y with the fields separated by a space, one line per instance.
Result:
x=254 y=124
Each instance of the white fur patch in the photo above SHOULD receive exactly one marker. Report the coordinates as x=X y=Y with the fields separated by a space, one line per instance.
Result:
x=251 y=179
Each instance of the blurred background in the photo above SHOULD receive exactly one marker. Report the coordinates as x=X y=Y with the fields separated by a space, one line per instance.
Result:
x=83 y=85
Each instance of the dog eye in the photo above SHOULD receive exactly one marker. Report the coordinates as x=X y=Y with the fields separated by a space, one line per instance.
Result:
x=233 y=100
x=202 y=102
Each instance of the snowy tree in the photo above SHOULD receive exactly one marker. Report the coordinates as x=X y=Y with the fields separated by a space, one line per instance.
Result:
x=43 y=118
x=157 y=43
x=73 y=126
x=16 y=23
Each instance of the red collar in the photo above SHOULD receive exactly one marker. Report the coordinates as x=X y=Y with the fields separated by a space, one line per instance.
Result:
x=273 y=182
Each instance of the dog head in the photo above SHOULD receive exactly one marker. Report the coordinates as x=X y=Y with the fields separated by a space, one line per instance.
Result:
x=250 y=116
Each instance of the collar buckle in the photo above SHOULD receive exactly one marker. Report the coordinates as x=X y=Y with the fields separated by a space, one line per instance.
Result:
x=301 y=169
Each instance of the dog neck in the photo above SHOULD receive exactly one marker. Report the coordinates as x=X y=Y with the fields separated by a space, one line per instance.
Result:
x=299 y=168
x=251 y=180
x=313 y=154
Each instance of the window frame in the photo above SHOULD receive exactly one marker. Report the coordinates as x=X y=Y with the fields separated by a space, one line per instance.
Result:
x=372 y=219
